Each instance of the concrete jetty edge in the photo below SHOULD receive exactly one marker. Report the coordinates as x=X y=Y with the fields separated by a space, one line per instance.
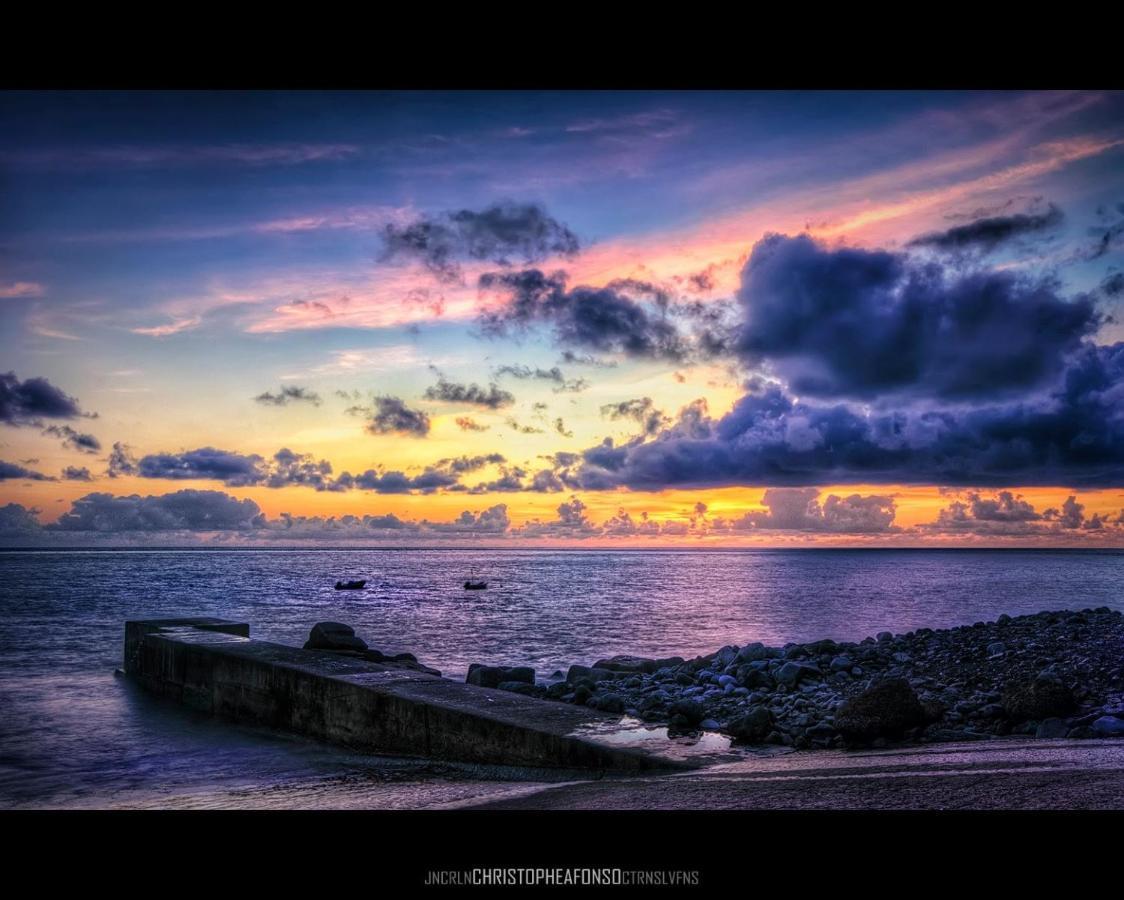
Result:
x=213 y=665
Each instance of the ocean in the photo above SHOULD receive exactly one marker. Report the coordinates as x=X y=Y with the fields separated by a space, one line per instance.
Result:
x=73 y=734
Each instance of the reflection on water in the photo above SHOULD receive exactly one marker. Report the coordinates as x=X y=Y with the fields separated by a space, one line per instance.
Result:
x=72 y=733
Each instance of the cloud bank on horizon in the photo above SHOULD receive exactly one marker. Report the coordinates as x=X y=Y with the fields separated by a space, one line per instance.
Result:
x=625 y=302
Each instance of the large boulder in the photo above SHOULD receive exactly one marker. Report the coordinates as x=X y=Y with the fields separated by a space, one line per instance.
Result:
x=578 y=673
x=753 y=727
x=886 y=709
x=493 y=676
x=792 y=673
x=1043 y=698
x=334 y=636
x=686 y=713
x=1108 y=726
x=752 y=652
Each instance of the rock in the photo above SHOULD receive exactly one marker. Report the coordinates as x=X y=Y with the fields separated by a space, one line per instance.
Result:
x=793 y=672
x=608 y=702
x=884 y=636
x=754 y=727
x=756 y=678
x=1108 y=726
x=628 y=664
x=1051 y=728
x=886 y=709
x=709 y=724
x=333 y=636
x=492 y=676
x=752 y=652
x=689 y=711
x=594 y=675
x=841 y=664
x=519 y=687
x=821 y=732
x=1042 y=698
x=994 y=649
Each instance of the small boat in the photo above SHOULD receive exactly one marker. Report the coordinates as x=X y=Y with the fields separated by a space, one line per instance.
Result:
x=471 y=585
x=350 y=585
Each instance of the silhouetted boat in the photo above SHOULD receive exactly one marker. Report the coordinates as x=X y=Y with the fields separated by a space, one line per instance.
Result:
x=350 y=585
x=475 y=585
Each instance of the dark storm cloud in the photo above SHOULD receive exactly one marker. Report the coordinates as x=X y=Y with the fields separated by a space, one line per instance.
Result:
x=799 y=509
x=397 y=482
x=1004 y=507
x=868 y=324
x=464 y=464
x=584 y=359
x=493 y=520
x=553 y=374
x=1006 y=514
x=288 y=394
x=11 y=471
x=472 y=394
x=988 y=233
x=26 y=402
x=392 y=416
x=641 y=410
x=1108 y=233
x=180 y=511
x=121 y=461
x=232 y=469
x=74 y=440
x=626 y=317
x=1113 y=284
x=16 y=519
x=289 y=468
x=498 y=234
x=74 y=473
x=1072 y=435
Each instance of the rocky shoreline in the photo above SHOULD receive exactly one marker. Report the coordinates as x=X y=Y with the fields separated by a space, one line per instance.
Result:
x=1048 y=675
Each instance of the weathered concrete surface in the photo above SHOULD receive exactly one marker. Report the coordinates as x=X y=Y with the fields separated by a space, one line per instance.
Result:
x=212 y=665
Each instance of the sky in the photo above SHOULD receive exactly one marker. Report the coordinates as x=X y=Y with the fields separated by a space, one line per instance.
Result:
x=634 y=319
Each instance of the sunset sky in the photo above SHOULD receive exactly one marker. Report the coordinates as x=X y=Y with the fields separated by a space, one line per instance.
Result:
x=636 y=319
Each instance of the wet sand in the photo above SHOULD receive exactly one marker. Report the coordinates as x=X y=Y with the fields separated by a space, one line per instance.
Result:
x=1001 y=774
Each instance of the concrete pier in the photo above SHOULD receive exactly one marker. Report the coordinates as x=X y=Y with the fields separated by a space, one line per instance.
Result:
x=213 y=665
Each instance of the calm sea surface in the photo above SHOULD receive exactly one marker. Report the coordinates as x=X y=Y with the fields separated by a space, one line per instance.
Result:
x=73 y=734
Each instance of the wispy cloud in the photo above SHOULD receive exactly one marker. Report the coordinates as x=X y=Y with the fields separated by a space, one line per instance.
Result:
x=174 y=327
x=167 y=155
x=16 y=289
